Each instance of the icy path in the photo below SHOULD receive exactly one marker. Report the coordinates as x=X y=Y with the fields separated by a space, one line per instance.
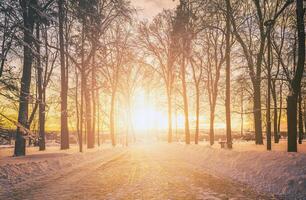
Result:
x=140 y=172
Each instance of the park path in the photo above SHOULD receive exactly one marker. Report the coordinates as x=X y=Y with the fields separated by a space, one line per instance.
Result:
x=139 y=172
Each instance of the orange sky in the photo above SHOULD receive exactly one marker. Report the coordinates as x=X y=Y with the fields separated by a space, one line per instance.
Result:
x=149 y=8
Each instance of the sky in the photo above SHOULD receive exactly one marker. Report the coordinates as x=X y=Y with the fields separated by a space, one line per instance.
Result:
x=149 y=8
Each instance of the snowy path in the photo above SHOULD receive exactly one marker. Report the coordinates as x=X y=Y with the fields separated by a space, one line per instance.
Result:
x=140 y=172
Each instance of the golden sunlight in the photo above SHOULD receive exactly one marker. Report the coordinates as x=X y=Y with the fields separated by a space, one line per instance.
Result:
x=146 y=115
x=152 y=99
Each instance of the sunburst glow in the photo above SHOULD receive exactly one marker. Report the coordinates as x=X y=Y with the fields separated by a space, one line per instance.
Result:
x=146 y=115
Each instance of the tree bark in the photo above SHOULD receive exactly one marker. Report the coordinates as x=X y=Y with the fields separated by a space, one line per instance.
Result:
x=186 y=114
x=94 y=98
x=112 y=119
x=275 y=115
x=268 y=114
x=88 y=117
x=228 y=80
x=257 y=113
x=241 y=110
x=78 y=112
x=196 y=139
x=254 y=71
x=211 y=126
x=28 y=22
x=169 y=116
x=64 y=77
x=280 y=109
x=305 y=115
x=98 y=117
x=42 y=145
x=81 y=114
x=291 y=123
x=301 y=130
x=296 y=82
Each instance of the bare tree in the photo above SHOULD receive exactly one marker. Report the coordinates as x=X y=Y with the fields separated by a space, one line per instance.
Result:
x=182 y=34
x=214 y=46
x=255 y=63
x=113 y=58
x=157 y=39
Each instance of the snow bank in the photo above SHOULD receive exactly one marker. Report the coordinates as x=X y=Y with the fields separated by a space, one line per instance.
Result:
x=280 y=173
x=18 y=170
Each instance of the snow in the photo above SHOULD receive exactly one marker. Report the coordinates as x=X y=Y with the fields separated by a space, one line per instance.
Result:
x=277 y=172
x=240 y=145
x=15 y=170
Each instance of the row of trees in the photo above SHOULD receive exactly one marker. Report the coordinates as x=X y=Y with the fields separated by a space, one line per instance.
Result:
x=102 y=55
x=76 y=36
x=265 y=40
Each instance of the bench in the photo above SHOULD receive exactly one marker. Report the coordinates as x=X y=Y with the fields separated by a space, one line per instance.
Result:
x=223 y=144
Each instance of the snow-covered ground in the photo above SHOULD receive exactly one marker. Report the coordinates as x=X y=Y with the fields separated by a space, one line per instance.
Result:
x=279 y=173
x=14 y=170
x=172 y=166
x=251 y=146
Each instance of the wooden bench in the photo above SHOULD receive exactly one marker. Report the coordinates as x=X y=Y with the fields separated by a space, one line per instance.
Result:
x=223 y=144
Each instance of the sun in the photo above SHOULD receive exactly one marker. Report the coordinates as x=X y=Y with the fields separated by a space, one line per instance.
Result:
x=146 y=115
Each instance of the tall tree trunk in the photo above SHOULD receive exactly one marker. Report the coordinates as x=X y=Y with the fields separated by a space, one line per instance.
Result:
x=280 y=109
x=94 y=112
x=268 y=114
x=275 y=124
x=254 y=71
x=196 y=139
x=184 y=87
x=83 y=82
x=296 y=82
x=88 y=117
x=169 y=95
x=305 y=114
x=112 y=119
x=93 y=95
x=42 y=145
x=211 y=125
x=81 y=113
x=28 y=22
x=257 y=77
x=301 y=130
x=98 y=117
x=64 y=77
x=257 y=113
x=241 y=112
x=79 y=132
x=275 y=115
x=228 y=80
x=129 y=121
x=291 y=123
x=176 y=123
